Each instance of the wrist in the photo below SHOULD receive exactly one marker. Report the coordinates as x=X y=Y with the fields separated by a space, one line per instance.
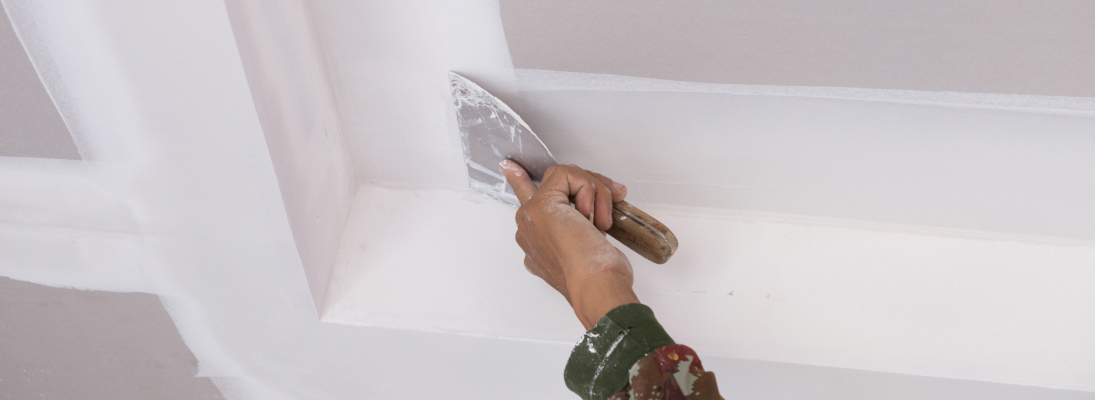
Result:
x=592 y=299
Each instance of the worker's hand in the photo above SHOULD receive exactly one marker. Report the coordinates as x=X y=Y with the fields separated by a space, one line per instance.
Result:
x=564 y=245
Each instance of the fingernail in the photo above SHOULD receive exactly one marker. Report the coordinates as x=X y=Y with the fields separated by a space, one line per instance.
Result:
x=617 y=185
x=504 y=165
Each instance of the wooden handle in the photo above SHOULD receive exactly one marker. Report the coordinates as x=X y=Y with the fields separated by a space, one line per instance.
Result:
x=640 y=232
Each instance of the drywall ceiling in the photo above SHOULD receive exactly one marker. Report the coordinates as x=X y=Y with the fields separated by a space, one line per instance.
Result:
x=286 y=72
x=210 y=130
x=29 y=123
x=181 y=200
x=72 y=344
x=1012 y=46
x=772 y=186
x=991 y=169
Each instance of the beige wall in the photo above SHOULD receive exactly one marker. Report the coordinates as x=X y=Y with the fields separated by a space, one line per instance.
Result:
x=1007 y=46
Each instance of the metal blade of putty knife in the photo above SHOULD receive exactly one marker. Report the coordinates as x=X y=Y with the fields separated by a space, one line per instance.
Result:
x=491 y=132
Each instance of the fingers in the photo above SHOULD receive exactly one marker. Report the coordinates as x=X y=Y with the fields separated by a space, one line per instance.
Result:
x=619 y=191
x=584 y=191
x=603 y=206
x=518 y=179
x=592 y=197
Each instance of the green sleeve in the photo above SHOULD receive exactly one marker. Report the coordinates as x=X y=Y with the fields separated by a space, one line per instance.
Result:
x=599 y=364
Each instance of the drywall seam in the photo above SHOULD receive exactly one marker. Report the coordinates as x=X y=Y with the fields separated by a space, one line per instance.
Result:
x=59 y=194
x=543 y=80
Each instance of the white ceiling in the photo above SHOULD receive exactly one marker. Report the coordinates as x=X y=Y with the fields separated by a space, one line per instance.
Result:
x=203 y=194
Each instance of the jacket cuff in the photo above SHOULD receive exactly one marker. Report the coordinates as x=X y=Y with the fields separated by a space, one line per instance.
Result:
x=599 y=364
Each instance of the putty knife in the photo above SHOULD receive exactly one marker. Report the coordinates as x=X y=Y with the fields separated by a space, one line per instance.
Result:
x=491 y=132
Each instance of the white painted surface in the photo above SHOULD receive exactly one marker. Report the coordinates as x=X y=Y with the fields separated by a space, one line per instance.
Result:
x=296 y=107
x=177 y=162
x=165 y=111
x=389 y=64
x=538 y=80
x=878 y=297
x=1007 y=169
x=440 y=259
x=924 y=168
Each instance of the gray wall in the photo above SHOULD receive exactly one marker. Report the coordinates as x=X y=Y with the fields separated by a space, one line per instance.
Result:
x=29 y=123
x=1005 y=46
x=79 y=344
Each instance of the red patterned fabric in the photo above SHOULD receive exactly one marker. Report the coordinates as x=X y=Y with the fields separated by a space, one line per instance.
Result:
x=673 y=372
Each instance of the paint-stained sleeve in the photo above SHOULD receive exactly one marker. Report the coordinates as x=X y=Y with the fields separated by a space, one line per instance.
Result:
x=628 y=356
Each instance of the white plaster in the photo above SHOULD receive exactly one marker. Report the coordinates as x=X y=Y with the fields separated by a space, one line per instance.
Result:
x=439 y=259
x=1012 y=170
x=871 y=296
x=390 y=77
x=300 y=120
x=175 y=153
x=179 y=196
x=544 y=80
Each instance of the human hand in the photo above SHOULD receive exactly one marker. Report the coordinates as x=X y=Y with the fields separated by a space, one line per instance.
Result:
x=565 y=245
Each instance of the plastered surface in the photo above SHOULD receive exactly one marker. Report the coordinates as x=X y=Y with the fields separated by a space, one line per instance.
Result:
x=295 y=103
x=869 y=296
x=390 y=77
x=179 y=198
x=944 y=173
x=179 y=195
x=1012 y=164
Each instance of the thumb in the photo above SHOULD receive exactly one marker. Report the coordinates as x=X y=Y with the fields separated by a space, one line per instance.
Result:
x=518 y=179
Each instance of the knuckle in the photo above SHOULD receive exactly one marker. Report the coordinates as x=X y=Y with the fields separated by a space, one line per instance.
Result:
x=523 y=215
